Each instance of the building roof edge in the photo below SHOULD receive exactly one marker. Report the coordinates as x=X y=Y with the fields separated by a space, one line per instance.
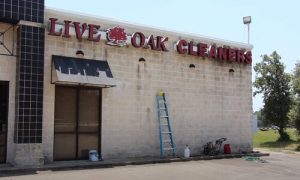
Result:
x=93 y=17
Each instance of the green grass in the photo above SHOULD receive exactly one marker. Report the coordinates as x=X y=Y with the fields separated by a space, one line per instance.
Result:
x=268 y=139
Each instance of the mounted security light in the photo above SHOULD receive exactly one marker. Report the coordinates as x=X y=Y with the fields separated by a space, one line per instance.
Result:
x=247 y=21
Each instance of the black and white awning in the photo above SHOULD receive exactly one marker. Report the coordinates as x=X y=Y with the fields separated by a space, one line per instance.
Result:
x=77 y=71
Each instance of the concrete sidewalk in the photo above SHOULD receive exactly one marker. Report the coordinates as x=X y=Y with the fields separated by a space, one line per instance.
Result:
x=85 y=164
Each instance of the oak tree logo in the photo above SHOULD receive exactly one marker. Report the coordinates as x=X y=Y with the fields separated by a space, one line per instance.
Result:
x=116 y=36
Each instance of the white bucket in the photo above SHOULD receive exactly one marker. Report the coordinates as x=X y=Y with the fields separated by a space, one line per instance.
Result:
x=187 y=152
x=93 y=155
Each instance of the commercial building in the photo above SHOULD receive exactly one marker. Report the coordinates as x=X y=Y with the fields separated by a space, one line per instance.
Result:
x=71 y=82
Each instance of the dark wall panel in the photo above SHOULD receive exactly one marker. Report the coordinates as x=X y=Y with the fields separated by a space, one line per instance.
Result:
x=29 y=10
x=30 y=80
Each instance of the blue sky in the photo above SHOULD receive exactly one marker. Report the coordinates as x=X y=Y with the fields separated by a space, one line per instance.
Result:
x=275 y=24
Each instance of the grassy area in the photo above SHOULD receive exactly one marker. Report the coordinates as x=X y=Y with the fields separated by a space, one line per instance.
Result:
x=268 y=139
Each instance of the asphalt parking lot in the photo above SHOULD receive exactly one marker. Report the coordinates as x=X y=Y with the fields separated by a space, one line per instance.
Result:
x=276 y=166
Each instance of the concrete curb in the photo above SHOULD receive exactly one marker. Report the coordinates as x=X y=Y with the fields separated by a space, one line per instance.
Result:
x=7 y=171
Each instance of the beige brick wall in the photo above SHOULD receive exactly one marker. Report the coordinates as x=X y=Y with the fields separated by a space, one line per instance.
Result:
x=205 y=103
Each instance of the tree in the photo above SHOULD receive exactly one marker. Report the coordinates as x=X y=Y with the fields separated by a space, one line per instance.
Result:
x=295 y=111
x=274 y=84
x=261 y=120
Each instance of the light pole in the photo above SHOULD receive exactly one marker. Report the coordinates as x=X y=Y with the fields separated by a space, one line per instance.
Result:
x=247 y=21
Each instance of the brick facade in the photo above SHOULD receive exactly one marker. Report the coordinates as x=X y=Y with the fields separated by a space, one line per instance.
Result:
x=206 y=102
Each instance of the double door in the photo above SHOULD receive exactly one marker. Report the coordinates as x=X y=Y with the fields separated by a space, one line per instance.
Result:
x=3 y=119
x=77 y=123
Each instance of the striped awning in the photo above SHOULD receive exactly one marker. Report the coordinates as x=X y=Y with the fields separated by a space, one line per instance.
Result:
x=78 y=71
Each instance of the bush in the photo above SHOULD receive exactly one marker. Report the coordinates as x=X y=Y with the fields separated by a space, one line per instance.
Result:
x=285 y=137
x=297 y=125
x=298 y=148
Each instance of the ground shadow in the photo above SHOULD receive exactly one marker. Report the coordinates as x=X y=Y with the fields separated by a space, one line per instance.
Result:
x=20 y=173
x=278 y=144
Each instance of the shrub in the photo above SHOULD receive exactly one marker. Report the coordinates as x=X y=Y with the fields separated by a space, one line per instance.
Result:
x=284 y=137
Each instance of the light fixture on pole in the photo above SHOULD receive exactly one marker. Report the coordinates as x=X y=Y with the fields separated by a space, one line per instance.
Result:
x=247 y=21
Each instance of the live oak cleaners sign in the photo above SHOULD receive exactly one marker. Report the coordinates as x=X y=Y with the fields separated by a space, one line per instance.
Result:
x=117 y=36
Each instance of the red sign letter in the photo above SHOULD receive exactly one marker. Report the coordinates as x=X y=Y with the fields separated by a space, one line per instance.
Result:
x=150 y=42
x=77 y=29
x=180 y=46
x=191 y=49
x=160 y=46
x=67 y=29
x=231 y=55
x=240 y=56
x=52 y=28
x=134 y=39
x=248 y=57
x=202 y=50
x=212 y=52
x=222 y=53
x=93 y=30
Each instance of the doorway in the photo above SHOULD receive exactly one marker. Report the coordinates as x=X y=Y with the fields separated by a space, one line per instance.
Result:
x=77 y=123
x=4 y=92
